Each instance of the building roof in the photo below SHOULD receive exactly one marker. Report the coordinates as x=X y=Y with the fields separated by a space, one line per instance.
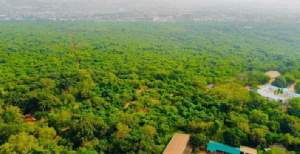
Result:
x=267 y=92
x=215 y=146
x=248 y=150
x=179 y=144
x=211 y=85
x=280 y=146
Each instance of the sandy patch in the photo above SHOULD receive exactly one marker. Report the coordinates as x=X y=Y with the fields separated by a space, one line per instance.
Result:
x=202 y=152
x=65 y=128
x=155 y=101
x=29 y=119
x=76 y=106
x=142 y=89
x=273 y=74
x=128 y=104
x=247 y=87
x=143 y=111
x=292 y=87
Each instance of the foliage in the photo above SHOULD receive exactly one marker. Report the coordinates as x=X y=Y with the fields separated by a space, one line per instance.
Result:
x=275 y=150
x=128 y=87
x=199 y=140
x=297 y=87
x=294 y=108
x=290 y=79
x=20 y=143
x=280 y=82
x=235 y=137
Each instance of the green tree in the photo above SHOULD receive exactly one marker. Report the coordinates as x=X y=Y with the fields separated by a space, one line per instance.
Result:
x=148 y=131
x=257 y=136
x=85 y=88
x=290 y=124
x=294 y=108
x=123 y=130
x=280 y=82
x=45 y=101
x=290 y=79
x=199 y=140
x=7 y=130
x=47 y=83
x=21 y=143
x=88 y=127
x=99 y=103
x=235 y=137
x=47 y=140
x=297 y=87
x=259 y=117
x=61 y=119
x=257 y=78
x=12 y=114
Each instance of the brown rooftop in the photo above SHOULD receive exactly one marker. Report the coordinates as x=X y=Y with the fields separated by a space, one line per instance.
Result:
x=179 y=144
x=248 y=150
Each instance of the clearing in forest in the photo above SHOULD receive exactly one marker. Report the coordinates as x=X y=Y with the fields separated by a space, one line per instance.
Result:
x=155 y=100
x=273 y=75
x=128 y=104
x=141 y=90
x=143 y=111
x=29 y=118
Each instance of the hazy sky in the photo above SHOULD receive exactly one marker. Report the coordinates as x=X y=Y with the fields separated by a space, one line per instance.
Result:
x=173 y=1
x=67 y=8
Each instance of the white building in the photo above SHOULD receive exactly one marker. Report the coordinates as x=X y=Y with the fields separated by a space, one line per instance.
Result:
x=269 y=93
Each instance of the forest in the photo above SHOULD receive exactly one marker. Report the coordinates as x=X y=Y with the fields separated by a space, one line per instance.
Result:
x=126 y=88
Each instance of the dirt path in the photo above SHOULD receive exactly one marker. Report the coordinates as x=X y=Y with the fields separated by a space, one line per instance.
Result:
x=292 y=87
x=74 y=50
x=272 y=80
x=263 y=86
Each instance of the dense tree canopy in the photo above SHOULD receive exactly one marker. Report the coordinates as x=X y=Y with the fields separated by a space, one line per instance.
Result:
x=85 y=87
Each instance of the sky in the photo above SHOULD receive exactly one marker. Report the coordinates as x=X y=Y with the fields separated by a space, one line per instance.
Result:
x=172 y=1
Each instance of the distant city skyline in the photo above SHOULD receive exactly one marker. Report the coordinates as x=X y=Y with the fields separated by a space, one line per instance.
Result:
x=153 y=10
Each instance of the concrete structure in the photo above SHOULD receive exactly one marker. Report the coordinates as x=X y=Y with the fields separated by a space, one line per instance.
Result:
x=269 y=91
x=247 y=150
x=179 y=144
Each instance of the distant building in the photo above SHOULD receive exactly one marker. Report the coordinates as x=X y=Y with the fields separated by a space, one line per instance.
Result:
x=179 y=144
x=222 y=148
x=269 y=93
x=211 y=85
x=277 y=145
